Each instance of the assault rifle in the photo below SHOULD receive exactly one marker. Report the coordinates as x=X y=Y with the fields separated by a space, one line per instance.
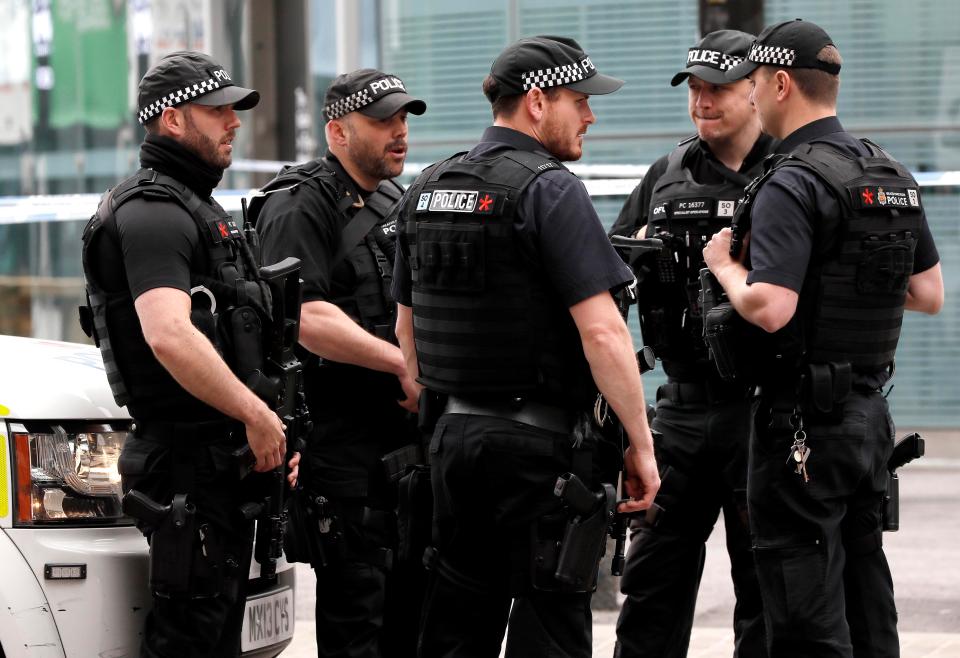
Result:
x=631 y=250
x=280 y=385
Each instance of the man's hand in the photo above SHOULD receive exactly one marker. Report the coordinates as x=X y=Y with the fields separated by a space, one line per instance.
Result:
x=294 y=466
x=642 y=480
x=266 y=439
x=412 y=390
x=716 y=253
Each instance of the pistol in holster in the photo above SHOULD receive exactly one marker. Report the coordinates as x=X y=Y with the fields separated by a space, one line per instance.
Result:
x=905 y=451
x=589 y=514
x=185 y=555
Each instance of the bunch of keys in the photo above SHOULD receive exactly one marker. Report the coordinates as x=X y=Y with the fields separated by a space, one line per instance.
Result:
x=799 y=453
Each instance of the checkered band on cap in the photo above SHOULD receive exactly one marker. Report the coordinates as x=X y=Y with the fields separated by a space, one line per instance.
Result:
x=557 y=76
x=348 y=104
x=177 y=97
x=775 y=55
x=729 y=61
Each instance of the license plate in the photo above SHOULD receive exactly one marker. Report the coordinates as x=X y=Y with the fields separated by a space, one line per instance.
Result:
x=267 y=619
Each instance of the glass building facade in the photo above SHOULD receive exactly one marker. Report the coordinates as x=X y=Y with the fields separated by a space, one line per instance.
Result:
x=68 y=81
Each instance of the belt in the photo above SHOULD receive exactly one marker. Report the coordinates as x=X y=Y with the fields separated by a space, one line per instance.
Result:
x=697 y=392
x=529 y=412
x=210 y=431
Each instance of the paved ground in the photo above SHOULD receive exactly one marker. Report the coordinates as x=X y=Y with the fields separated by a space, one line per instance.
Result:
x=924 y=556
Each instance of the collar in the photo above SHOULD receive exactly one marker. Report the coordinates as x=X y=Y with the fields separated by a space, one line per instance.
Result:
x=760 y=149
x=810 y=132
x=514 y=139
x=352 y=190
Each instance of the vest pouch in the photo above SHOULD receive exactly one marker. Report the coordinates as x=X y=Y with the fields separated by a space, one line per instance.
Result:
x=825 y=389
x=718 y=331
x=246 y=340
x=885 y=265
x=451 y=257
x=652 y=326
x=86 y=323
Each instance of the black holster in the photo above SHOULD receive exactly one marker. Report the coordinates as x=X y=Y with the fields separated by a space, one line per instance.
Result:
x=186 y=556
x=414 y=515
x=576 y=564
x=407 y=467
x=301 y=533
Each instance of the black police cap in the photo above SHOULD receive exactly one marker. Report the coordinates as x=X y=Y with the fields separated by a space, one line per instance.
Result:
x=369 y=92
x=189 y=77
x=715 y=54
x=791 y=44
x=546 y=61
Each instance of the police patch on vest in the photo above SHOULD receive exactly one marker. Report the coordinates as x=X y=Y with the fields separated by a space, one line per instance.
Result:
x=885 y=197
x=389 y=228
x=726 y=207
x=692 y=208
x=466 y=201
x=222 y=229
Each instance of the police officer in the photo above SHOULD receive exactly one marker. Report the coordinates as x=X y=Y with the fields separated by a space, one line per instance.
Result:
x=839 y=248
x=333 y=214
x=162 y=262
x=683 y=199
x=504 y=280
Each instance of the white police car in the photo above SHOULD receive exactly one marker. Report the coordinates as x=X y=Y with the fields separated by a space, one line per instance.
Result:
x=73 y=569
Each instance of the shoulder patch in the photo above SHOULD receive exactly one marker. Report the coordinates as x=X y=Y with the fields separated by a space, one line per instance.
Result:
x=453 y=200
x=885 y=197
x=424 y=201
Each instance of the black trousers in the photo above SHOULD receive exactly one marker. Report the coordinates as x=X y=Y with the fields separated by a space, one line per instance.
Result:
x=703 y=462
x=367 y=606
x=351 y=589
x=493 y=483
x=825 y=581
x=208 y=626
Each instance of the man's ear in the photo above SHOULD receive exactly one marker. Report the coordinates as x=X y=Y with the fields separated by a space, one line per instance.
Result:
x=784 y=84
x=533 y=104
x=336 y=132
x=173 y=122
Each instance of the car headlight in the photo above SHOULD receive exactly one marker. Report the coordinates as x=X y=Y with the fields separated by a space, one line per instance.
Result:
x=67 y=474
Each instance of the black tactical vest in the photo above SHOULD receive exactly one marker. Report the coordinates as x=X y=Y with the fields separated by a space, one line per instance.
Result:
x=852 y=301
x=684 y=214
x=370 y=255
x=485 y=319
x=228 y=304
